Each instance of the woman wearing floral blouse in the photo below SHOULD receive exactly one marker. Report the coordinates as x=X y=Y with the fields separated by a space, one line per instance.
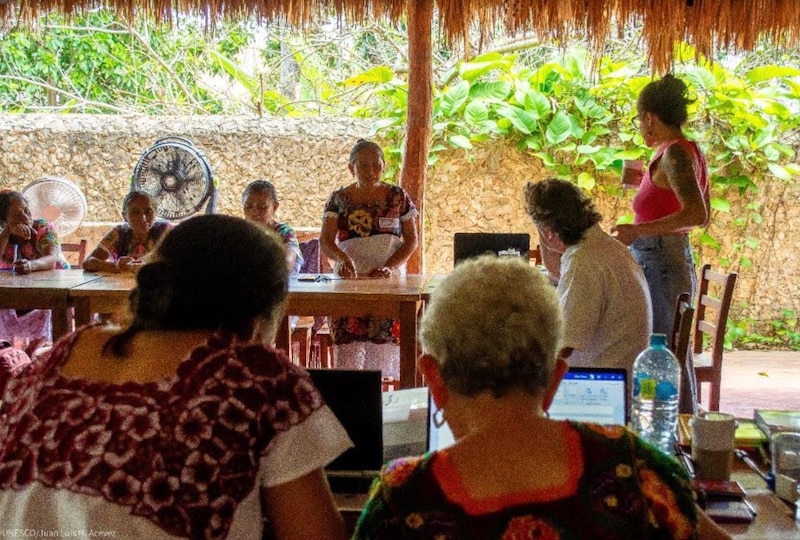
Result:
x=491 y=336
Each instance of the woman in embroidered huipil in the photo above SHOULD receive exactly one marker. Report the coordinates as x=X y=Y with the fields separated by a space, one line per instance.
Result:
x=259 y=204
x=26 y=245
x=185 y=424
x=491 y=336
x=369 y=228
x=673 y=198
x=123 y=248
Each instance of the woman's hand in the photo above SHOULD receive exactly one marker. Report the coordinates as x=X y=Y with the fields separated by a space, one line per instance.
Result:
x=128 y=264
x=21 y=231
x=626 y=234
x=347 y=268
x=382 y=272
x=23 y=266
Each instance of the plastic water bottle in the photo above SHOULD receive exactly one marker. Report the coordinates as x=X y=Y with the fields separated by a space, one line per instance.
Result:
x=656 y=375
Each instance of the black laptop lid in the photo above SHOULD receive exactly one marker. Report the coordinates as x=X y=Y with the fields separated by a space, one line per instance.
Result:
x=469 y=245
x=355 y=398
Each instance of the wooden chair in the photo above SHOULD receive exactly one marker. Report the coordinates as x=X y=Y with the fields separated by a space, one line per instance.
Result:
x=79 y=248
x=711 y=317
x=306 y=331
x=535 y=256
x=679 y=345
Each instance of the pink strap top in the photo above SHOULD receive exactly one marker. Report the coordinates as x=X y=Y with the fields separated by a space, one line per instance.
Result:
x=652 y=202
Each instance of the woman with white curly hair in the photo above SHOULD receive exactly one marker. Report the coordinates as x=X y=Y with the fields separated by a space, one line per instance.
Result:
x=491 y=336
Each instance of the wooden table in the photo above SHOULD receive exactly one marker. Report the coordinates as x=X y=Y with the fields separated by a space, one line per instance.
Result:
x=775 y=519
x=108 y=293
x=48 y=289
x=398 y=297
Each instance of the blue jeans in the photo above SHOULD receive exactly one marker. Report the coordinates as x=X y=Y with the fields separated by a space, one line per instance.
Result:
x=669 y=269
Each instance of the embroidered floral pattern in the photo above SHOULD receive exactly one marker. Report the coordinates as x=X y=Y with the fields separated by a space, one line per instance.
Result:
x=361 y=221
x=182 y=452
x=528 y=527
x=627 y=490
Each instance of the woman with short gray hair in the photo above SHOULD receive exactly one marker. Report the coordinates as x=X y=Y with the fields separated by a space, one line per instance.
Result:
x=491 y=336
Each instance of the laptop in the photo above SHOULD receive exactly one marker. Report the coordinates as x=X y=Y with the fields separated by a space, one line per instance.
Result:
x=469 y=245
x=591 y=394
x=597 y=395
x=355 y=398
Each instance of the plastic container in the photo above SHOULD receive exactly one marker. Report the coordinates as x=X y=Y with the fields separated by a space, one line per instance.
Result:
x=656 y=376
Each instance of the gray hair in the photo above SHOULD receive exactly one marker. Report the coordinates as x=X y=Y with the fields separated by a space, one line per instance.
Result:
x=493 y=324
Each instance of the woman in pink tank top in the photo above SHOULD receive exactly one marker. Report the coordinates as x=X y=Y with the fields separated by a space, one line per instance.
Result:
x=672 y=198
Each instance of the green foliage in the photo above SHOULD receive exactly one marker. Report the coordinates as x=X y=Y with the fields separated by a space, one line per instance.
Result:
x=575 y=116
x=783 y=332
x=571 y=111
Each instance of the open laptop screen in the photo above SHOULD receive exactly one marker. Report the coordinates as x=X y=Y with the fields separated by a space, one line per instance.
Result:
x=355 y=398
x=468 y=245
x=597 y=395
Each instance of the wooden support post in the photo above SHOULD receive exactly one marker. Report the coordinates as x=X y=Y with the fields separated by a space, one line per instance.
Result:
x=418 y=122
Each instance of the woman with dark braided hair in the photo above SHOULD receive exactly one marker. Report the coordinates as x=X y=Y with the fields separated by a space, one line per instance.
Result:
x=672 y=198
x=185 y=424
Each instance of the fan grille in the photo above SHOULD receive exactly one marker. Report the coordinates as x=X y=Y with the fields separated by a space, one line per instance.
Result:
x=58 y=201
x=177 y=175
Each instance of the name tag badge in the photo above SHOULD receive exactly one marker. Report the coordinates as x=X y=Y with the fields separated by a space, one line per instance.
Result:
x=388 y=223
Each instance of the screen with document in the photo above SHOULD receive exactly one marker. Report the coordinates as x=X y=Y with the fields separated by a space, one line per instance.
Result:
x=597 y=395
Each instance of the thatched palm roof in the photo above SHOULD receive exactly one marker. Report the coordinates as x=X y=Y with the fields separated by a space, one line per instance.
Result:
x=707 y=24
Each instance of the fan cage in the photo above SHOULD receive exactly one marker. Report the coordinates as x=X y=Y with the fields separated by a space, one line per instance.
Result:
x=178 y=175
x=58 y=201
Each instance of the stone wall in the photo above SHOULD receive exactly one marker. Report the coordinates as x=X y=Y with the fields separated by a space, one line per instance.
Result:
x=307 y=158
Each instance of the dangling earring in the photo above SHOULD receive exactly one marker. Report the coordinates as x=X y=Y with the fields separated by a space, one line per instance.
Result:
x=438 y=418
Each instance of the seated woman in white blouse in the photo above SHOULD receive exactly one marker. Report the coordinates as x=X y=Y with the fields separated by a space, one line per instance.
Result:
x=184 y=424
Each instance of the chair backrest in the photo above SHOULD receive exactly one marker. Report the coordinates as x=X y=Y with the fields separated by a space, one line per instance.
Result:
x=78 y=248
x=714 y=298
x=679 y=345
x=311 y=256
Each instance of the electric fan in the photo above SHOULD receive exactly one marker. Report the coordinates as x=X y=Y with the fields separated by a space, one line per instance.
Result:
x=58 y=201
x=178 y=175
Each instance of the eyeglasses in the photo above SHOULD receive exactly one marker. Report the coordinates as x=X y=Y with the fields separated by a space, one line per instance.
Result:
x=635 y=122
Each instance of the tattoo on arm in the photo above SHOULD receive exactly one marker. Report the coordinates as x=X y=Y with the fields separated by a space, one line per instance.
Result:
x=678 y=164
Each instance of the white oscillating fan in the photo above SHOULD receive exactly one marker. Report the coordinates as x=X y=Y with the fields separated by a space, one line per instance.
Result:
x=178 y=175
x=58 y=201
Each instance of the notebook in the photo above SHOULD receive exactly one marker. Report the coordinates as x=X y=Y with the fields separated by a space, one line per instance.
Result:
x=469 y=245
x=598 y=395
x=355 y=398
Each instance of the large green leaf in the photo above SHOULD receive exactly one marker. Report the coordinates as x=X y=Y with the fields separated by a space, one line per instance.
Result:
x=454 y=98
x=470 y=71
x=519 y=118
x=476 y=113
x=586 y=181
x=780 y=171
x=460 y=141
x=559 y=129
x=494 y=90
x=378 y=74
x=765 y=73
x=723 y=205
x=536 y=104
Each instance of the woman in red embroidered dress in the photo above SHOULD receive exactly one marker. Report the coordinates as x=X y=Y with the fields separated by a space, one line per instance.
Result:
x=673 y=198
x=491 y=336
x=185 y=424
